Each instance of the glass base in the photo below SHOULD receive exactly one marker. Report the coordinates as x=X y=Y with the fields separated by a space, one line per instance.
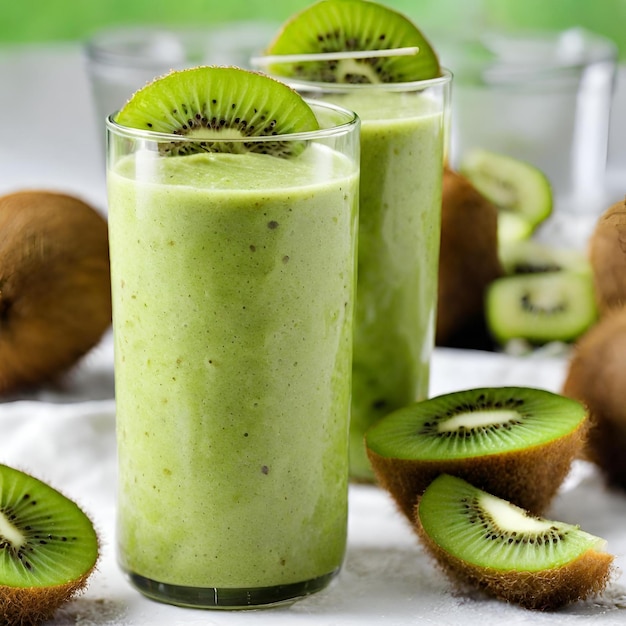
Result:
x=228 y=598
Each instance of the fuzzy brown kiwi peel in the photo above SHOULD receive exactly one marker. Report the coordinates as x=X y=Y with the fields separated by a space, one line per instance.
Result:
x=516 y=443
x=596 y=376
x=487 y=543
x=55 y=286
x=468 y=260
x=607 y=253
x=48 y=545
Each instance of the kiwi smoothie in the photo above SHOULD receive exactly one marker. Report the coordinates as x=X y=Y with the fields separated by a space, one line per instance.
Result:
x=402 y=156
x=233 y=310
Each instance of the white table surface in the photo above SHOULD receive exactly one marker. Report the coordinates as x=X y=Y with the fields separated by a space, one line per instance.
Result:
x=65 y=435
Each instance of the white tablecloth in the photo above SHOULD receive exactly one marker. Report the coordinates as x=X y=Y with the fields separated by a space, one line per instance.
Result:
x=65 y=435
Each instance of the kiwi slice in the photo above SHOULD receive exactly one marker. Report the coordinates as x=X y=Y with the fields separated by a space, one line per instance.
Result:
x=534 y=257
x=488 y=543
x=515 y=442
x=541 y=307
x=212 y=105
x=351 y=26
x=511 y=184
x=49 y=548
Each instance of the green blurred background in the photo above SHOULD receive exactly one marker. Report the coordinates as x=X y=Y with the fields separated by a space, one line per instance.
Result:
x=52 y=20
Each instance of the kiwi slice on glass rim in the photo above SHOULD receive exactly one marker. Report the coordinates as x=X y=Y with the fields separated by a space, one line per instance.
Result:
x=211 y=105
x=515 y=442
x=48 y=546
x=488 y=543
x=540 y=307
x=352 y=26
x=512 y=184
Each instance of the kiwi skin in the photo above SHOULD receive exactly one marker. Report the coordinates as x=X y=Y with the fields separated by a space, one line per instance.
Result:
x=529 y=477
x=544 y=590
x=607 y=255
x=596 y=376
x=468 y=262
x=55 y=286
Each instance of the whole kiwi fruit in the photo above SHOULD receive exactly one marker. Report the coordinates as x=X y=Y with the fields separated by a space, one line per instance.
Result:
x=596 y=376
x=468 y=261
x=55 y=287
x=607 y=254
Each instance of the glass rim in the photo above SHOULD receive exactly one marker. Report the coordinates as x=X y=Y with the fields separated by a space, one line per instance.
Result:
x=445 y=78
x=351 y=121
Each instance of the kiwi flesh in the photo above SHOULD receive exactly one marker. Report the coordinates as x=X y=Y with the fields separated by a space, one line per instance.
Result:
x=515 y=442
x=511 y=184
x=211 y=105
x=607 y=253
x=55 y=286
x=331 y=26
x=596 y=376
x=488 y=543
x=49 y=548
x=540 y=307
x=468 y=262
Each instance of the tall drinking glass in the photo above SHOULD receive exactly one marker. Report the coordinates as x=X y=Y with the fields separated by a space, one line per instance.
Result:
x=403 y=138
x=233 y=287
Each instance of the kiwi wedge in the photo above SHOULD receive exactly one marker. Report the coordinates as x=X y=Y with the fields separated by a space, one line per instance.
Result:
x=515 y=442
x=331 y=26
x=55 y=285
x=541 y=307
x=48 y=545
x=490 y=544
x=213 y=105
x=511 y=184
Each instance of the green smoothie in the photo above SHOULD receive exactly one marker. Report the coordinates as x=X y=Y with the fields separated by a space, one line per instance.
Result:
x=233 y=310
x=399 y=231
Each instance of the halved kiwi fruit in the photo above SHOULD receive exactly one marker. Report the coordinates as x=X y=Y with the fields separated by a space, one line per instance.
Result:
x=349 y=26
x=517 y=443
x=211 y=105
x=540 y=307
x=55 y=285
x=497 y=547
x=511 y=184
x=48 y=546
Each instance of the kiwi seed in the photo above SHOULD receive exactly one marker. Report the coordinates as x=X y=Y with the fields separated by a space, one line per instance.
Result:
x=353 y=25
x=489 y=544
x=213 y=105
x=55 y=286
x=48 y=545
x=517 y=443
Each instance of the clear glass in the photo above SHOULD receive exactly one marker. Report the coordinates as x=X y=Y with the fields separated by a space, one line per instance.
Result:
x=544 y=98
x=120 y=60
x=403 y=148
x=233 y=278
